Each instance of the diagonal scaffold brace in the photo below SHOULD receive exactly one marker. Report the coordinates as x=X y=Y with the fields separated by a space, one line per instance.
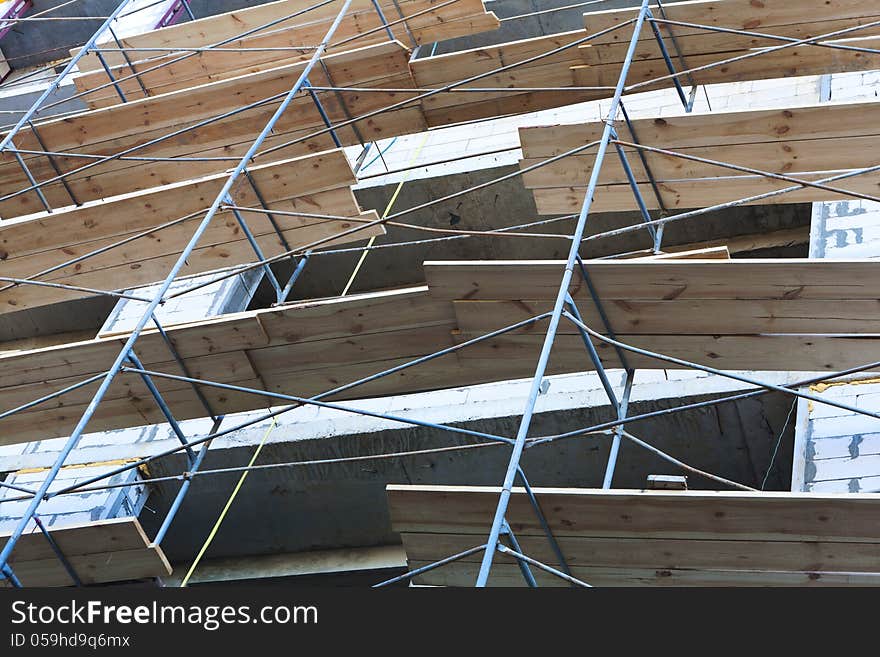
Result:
x=498 y=521
x=127 y=349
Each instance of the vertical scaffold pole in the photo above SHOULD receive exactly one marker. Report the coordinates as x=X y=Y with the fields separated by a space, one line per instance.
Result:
x=525 y=423
x=126 y=350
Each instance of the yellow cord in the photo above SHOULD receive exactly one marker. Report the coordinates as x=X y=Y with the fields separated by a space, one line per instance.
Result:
x=229 y=502
x=385 y=214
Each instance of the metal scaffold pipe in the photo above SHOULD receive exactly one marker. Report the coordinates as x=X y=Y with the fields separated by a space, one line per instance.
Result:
x=4 y=144
x=126 y=350
x=525 y=423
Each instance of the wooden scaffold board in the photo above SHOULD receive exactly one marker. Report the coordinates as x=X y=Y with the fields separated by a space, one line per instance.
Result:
x=314 y=184
x=99 y=552
x=426 y=21
x=655 y=538
x=812 y=142
x=735 y=314
x=597 y=63
x=111 y=130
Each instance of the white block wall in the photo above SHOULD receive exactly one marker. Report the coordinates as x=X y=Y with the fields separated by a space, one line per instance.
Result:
x=80 y=508
x=837 y=450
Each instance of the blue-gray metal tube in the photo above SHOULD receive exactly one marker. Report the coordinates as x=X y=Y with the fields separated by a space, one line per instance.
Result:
x=67 y=69
x=10 y=575
x=622 y=409
x=507 y=488
x=184 y=489
x=523 y=565
x=295 y=276
x=430 y=566
x=594 y=355
x=160 y=402
x=175 y=270
x=558 y=573
x=71 y=572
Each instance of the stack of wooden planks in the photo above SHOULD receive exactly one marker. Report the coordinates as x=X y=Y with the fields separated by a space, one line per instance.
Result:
x=595 y=65
x=425 y=21
x=174 y=126
x=314 y=184
x=734 y=314
x=655 y=538
x=547 y=72
x=729 y=314
x=103 y=551
x=808 y=143
x=697 y=47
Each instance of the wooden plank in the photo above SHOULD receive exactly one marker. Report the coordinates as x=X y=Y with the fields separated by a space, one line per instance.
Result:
x=310 y=347
x=355 y=315
x=102 y=551
x=620 y=537
x=691 y=43
x=759 y=126
x=81 y=359
x=791 y=142
x=767 y=15
x=506 y=574
x=225 y=367
x=316 y=184
x=360 y=17
x=669 y=554
x=708 y=253
x=784 y=238
x=790 y=62
x=709 y=515
x=438 y=374
x=108 y=131
x=132 y=213
x=151 y=259
x=783 y=157
x=335 y=353
x=775 y=352
x=789 y=278
x=700 y=316
x=182 y=70
x=116 y=177
x=550 y=71
x=705 y=192
x=95 y=568
x=603 y=72
x=131 y=412
x=26 y=375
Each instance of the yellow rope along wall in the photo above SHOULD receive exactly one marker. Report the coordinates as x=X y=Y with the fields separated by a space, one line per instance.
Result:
x=385 y=214
x=226 y=508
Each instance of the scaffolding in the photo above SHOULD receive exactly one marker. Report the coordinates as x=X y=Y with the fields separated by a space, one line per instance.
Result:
x=649 y=16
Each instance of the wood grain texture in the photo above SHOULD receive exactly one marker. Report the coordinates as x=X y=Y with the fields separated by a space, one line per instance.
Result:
x=625 y=537
x=789 y=278
x=182 y=70
x=115 y=129
x=318 y=184
x=696 y=310
x=103 y=551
